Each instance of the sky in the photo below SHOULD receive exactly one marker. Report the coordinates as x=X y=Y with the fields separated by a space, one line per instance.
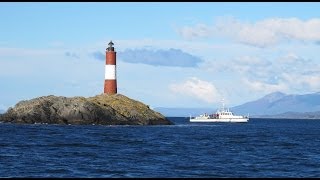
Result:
x=169 y=54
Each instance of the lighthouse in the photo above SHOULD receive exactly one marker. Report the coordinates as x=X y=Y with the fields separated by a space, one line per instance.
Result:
x=110 y=82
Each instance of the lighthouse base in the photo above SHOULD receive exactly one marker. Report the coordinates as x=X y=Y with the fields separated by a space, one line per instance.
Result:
x=110 y=86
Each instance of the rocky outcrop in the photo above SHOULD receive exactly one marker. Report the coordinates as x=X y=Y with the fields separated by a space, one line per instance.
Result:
x=102 y=109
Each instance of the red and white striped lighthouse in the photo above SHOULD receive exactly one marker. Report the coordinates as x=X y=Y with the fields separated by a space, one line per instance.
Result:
x=110 y=82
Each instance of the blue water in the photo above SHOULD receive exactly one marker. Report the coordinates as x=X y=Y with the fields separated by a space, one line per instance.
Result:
x=259 y=148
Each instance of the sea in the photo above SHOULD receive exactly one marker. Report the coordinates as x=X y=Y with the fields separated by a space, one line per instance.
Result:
x=259 y=148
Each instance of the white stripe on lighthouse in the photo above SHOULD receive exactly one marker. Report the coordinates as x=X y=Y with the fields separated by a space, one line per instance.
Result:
x=110 y=72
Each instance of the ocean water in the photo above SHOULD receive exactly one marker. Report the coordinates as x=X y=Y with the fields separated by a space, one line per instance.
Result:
x=259 y=148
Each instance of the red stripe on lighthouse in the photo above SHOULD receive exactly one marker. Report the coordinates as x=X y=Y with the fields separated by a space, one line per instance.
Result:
x=110 y=82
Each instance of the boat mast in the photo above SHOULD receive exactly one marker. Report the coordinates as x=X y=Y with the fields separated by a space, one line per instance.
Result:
x=222 y=104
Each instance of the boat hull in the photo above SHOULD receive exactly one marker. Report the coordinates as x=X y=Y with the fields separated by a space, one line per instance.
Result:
x=238 y=120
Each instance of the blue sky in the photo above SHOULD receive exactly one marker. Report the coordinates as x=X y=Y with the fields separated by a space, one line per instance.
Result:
x=168 y=54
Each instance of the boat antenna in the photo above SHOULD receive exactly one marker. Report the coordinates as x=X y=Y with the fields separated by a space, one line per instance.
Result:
x=222 y=104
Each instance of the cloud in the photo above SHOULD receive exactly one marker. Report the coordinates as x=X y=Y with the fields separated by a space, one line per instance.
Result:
x=199 y=31
x=71 y=54
x=250 y=66
x=98 y=55
x=289 y=73
x=261 y=34
x=194 y=87
x=249 y=63
x=170 y=57
x=292 y=59
x=259 y=86
x=301 y=81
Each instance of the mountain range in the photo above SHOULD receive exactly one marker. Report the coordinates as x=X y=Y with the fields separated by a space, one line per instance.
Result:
x=274 y=105
x=278 y=103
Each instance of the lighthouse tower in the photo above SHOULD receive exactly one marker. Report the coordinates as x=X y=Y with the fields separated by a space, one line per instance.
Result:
x=110 y=82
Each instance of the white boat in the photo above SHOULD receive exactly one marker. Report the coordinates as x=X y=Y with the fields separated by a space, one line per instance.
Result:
x=222 y=115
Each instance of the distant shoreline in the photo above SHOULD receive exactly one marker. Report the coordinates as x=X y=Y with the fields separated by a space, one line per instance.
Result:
x=187 y=117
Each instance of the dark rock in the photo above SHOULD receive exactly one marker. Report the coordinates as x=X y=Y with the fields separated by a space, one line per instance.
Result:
x=102 y=109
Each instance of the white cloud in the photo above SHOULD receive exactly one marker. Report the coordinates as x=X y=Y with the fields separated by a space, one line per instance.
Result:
x=251 y=60
x=294 y=74
x=249 y=64
x=313 y=81
x=198 y=31
x=288 y=73
x=262 y=33
x=256 y=36
x=258 y=86
x=292 y=59
x=197 y=88
x=302 y=81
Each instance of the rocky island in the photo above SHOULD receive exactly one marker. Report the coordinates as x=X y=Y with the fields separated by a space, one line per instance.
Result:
x=102 y=109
